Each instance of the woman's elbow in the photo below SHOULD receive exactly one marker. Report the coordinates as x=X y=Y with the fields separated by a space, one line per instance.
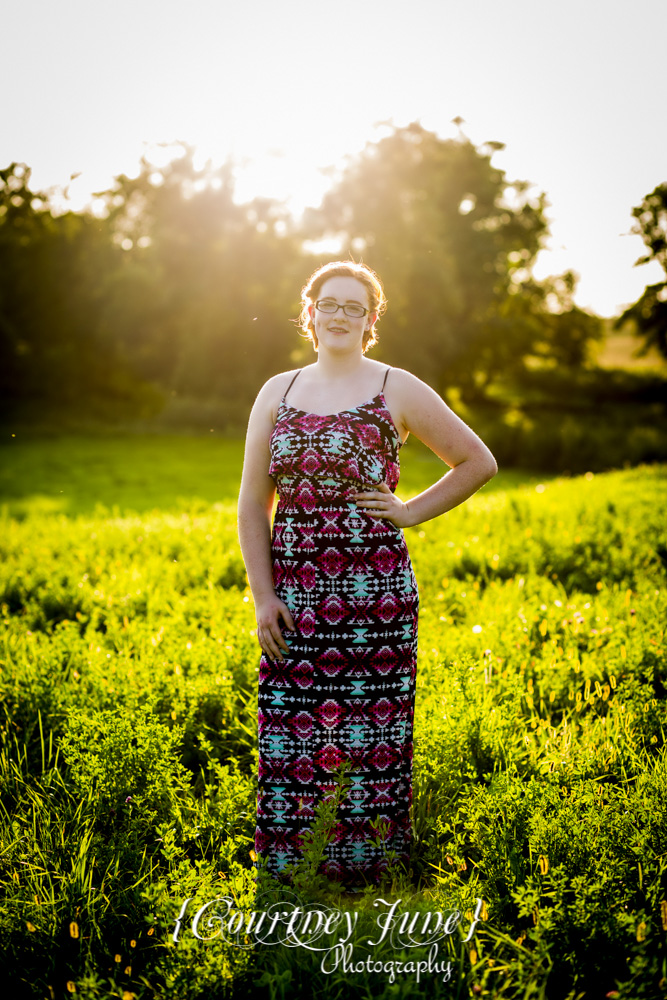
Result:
x=488 y=467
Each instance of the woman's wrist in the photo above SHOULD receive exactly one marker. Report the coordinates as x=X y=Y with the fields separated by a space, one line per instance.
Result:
x=262 y=591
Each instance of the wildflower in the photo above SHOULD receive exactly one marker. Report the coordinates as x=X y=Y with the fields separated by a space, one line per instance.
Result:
x=128 y=799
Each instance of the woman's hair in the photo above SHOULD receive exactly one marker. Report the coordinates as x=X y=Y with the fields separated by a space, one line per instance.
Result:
x=377 y=301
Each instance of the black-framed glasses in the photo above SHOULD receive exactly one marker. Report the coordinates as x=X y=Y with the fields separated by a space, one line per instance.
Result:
x=352 y=309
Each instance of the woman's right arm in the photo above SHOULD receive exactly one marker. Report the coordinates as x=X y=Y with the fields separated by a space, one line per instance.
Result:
x=254 y=521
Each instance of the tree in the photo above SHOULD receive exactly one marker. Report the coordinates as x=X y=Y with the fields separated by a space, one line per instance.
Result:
x=454 y=242
x=650 y=311
x=566 y=332
x=203 y=297
x=52 y=352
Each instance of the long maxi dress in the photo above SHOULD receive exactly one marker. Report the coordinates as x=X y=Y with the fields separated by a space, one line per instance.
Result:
x=346 y=689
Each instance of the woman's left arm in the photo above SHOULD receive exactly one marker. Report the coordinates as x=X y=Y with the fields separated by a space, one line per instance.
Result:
x=419 y=410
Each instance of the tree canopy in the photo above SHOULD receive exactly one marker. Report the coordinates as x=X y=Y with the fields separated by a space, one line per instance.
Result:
x=649 y=313
x=53 y=349
x=172 y=287
x=455 y=243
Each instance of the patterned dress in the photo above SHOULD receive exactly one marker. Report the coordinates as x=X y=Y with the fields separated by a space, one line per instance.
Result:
x=346 y=690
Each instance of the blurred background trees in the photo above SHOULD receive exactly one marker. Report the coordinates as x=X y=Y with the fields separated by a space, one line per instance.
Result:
x=54 y=351
x=201 y=292
x=171 y=297
x=453 y=242
x=649 y=313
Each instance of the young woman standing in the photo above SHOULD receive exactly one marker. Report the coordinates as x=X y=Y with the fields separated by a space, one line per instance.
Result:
x=335 y=596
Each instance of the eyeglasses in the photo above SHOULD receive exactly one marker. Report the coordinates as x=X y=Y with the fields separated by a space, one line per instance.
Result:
x=352 y=309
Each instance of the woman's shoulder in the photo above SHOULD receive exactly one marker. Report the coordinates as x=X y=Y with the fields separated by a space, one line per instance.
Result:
x=273 y=390
x=281 y=380
x=403 y=380
x=412 y=400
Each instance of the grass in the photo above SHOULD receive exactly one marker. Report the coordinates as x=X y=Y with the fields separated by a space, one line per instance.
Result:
x=619 y=350
x=123 y=473
x=128 y=669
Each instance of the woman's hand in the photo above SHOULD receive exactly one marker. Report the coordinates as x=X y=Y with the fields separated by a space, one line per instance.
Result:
x=381 y=502
x=269 y=634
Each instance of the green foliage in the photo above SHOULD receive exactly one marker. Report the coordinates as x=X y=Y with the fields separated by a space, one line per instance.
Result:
x=128 y=671
x=649 y=313
x=565 y=335
x=172 y=303
x=53 y=350
x=128 y=765
x=306 y=875
x=202 y=297
x=450 y=237
x=553 y=419
x=139 y=473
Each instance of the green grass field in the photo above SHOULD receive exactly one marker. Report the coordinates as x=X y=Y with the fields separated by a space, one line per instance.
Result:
x=128 y=734
x=75 y=474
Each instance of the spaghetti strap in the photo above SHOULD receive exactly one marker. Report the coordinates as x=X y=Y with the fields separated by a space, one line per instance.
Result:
x=385 y=379
x=292 y=383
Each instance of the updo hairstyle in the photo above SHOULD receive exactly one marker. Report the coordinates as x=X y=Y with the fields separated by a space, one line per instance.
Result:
x=377 y=300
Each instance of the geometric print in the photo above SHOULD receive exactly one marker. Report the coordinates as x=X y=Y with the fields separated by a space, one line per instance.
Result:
x=346 y=689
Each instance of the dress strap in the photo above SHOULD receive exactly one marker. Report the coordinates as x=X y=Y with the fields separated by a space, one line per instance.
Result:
x=385 y=379
x=292 y=383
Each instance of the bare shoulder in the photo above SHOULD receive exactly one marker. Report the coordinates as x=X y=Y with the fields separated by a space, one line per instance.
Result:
x=260 y=427
x=415 y=400
x=424 y=413
x=268 y=398
x=407 y=384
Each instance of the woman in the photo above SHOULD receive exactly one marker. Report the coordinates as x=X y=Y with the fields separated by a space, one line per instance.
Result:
x=335 y=596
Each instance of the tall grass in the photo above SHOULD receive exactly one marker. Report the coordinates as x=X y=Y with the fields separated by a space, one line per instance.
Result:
x=128 y=750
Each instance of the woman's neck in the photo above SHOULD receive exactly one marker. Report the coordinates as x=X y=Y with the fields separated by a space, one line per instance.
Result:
x=344 y=367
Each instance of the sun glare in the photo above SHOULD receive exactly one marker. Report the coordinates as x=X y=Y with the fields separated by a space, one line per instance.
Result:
x=283 y=176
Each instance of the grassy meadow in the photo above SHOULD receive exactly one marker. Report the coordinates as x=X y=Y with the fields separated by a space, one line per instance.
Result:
x=128 y=677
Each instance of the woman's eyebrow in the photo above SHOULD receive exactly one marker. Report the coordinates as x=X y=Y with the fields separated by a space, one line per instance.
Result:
x=358 y=301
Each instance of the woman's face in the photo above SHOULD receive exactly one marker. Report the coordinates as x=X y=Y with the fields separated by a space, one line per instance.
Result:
x=338 y=331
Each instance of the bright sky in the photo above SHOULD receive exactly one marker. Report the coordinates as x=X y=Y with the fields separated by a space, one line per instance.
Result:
x=574 y=88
